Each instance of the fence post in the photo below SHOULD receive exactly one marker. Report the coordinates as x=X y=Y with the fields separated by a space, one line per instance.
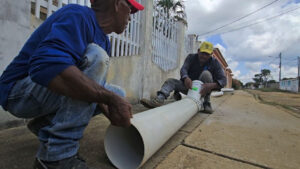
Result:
x=181 y=43
x=49 y=8
x=146 y=48
x=59 y=4
x=37 y=8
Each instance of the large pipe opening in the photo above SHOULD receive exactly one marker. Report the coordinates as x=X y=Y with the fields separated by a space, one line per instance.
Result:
x=124 y=147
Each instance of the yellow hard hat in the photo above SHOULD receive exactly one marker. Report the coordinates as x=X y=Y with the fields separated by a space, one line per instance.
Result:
x=206 y=47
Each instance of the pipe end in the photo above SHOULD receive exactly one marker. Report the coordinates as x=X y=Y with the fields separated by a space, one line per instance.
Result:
x=124 y=147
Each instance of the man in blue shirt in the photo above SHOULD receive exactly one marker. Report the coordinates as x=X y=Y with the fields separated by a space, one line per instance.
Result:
x=58 y=79
x=199 y=66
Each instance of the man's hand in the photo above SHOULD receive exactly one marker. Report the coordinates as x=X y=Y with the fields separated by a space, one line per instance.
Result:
x=103 y=109
x=188 y=83
x=118 y=111
x=207 y=87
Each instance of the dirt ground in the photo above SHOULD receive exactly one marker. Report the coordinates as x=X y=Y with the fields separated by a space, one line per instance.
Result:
x=289 y=101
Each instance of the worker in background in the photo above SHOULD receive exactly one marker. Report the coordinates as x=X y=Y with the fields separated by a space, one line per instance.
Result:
x=199 y=66
x=58 y=79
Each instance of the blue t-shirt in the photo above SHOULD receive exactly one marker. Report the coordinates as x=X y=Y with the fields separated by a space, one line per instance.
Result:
x=58 y=43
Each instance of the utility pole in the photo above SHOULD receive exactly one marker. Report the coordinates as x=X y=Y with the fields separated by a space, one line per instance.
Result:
x=298 y=74
x=279 y=66
x=298 y=67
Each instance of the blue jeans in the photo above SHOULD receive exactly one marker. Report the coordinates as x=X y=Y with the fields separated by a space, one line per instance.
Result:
x=68 y=117
x=176 y=85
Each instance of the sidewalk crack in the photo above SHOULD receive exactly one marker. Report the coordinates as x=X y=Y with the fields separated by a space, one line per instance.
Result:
x=225 y=156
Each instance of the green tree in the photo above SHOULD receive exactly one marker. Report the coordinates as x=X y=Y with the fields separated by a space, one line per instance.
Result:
x=257 y=79
x=170 y=5
x=262 y=78
x=174 y=8
x=272 y=81
x=236 y=84
x=249 y=84
x=266 y=74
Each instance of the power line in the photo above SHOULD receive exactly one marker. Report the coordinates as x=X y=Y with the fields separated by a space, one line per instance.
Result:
x=272 y=61
x=232 y=30
x=291 y=59
x=256 y=19
x=251 y=13
x=299 y=68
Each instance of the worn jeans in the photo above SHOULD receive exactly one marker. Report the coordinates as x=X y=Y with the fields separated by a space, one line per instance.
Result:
x=68 y=117
x=176 y=85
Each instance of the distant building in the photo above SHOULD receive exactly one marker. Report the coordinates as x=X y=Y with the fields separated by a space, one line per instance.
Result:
x=291 y=84
x=273 y=85
x=218 y=55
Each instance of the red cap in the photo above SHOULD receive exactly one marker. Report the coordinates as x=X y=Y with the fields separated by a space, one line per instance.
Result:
x=137 y=6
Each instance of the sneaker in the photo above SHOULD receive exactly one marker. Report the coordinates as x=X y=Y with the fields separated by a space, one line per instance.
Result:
x=37 y=123
x=74 y=162
x=152 y=103
x=207 y=108
x=177 y=96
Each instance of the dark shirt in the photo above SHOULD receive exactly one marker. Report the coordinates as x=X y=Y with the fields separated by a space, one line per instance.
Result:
x=192 y=69
x=58 y=43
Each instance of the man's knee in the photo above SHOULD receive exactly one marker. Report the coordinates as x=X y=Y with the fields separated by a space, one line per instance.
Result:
x=120 y=91
x=96 y=56
x=206 y=77
x=115 y=89
x=95 y=63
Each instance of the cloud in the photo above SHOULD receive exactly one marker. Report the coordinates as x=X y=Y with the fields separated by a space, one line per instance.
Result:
x=231 y=64
x=286 y=72
x=247 y=77
x=236 y=73
x=253 y=45
x=254 y=66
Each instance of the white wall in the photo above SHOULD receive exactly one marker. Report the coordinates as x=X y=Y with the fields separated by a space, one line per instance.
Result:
x=290 y=85
x=15 y=29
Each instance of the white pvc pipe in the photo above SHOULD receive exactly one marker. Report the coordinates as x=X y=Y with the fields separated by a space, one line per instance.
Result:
x=217 y=94
x=227 y=90
x=129 y=148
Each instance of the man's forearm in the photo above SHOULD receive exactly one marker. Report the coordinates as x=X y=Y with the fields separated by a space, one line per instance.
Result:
x=214 y=86
x=73 y=83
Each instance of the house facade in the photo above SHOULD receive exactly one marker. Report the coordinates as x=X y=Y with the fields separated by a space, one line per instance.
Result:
x=228 y=73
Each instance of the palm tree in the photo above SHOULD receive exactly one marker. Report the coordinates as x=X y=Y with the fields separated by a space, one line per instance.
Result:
x=173 y=7
x=169 y=5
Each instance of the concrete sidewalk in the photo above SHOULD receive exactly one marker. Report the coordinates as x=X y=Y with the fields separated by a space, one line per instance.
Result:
x=242 y=133
x=18 y=145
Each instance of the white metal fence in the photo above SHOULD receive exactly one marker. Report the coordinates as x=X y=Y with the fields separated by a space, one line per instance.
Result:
x=164 y=40
x=125 y=44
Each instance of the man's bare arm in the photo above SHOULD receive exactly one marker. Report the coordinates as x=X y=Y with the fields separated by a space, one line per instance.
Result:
x=73 y=83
